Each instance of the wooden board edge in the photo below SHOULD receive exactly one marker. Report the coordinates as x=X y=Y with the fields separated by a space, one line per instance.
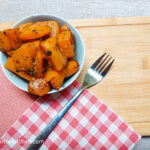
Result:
x=98 y=22
x=110 y=21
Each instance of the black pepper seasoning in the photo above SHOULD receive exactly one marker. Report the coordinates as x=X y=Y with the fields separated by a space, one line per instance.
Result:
x=48 y=53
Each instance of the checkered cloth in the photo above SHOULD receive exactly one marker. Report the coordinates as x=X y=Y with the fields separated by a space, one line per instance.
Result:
x=89 y=124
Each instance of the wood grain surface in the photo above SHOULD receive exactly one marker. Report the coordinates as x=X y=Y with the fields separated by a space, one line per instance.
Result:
x=126 y=88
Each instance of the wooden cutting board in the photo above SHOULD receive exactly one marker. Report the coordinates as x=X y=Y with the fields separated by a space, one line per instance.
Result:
x=126 y=88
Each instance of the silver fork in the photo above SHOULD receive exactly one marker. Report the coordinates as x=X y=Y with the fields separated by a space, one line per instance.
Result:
x=94 y=75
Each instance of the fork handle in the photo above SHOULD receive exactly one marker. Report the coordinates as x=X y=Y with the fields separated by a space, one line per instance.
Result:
x=36 y=144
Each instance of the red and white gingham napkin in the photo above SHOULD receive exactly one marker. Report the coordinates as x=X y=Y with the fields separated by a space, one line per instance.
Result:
x=89 y=124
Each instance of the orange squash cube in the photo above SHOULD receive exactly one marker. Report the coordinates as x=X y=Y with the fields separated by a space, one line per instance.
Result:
x=34 y=31
x=38 y=87
x=23 y=57
x=55 y=78
x=51 y=49
x=10 y=66
x=54 y=27
x=72 y=67
x=65 y=43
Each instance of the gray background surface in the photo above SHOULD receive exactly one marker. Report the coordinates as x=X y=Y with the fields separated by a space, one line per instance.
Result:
x=12 y=10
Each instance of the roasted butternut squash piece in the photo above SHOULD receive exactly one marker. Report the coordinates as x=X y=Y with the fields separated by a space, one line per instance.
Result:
x=64 y=28
x=23 y=57
x=4 y=42
x=58 y=80
x=38 y=87
x=10 y=66
x=54 y=27
x=55 y=78
x=72 y=67
x=34 y=31
x=39 y=64
x=65 y=43
x=13 y=36
x=51 y=49
x=9 y=40
x=49 y=74
x=22 y=26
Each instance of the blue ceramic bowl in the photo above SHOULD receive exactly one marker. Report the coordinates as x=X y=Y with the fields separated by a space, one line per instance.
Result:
x=79 y=52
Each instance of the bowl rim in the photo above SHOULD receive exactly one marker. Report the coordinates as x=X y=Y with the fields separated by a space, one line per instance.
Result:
x=63 y=20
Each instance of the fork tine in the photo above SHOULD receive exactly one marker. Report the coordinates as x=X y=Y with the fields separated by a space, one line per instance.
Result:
x=101 y=63
x=97 y=61
x=104 y=65
x=107 y=68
